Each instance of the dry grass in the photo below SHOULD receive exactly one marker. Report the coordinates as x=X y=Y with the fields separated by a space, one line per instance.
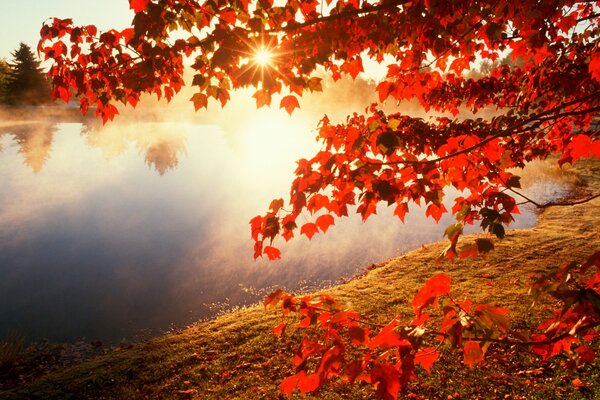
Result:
x=236 y=356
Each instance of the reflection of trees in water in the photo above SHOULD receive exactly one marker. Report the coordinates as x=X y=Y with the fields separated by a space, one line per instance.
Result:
x=161 y=145
x=34 y=141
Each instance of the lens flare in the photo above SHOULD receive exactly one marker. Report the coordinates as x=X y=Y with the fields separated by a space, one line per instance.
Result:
x=263 y=57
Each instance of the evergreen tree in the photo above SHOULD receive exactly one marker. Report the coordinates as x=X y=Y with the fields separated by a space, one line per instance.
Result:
x=4 y=71
x=26 y=81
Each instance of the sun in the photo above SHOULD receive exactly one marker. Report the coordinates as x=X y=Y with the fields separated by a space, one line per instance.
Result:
x=263 y=57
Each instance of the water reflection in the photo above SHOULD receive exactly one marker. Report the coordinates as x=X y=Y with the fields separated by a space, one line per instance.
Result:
x=161 y=147
x=34 y=141
x=97 y=244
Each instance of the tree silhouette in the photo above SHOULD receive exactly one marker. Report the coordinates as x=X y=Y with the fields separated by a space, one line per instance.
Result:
x=4 y=71
x=26 y=82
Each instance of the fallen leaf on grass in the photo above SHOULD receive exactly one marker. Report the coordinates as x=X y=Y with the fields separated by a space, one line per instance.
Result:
x=579 y=384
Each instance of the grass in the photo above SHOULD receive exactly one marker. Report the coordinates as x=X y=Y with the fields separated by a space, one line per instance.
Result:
x=236 y=356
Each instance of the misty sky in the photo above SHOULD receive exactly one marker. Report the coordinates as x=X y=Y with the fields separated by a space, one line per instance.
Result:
x=21 y=20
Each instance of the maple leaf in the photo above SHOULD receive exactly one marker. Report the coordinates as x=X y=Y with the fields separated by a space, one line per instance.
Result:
x=272 y=253
x=289 y=103
x=388 y=381
x=353 y=67
x=388 y=337
x=305 y=383
x=272 y=299
x=138 y=5
x=358 y=335
x=426 y=357
x=278 y=330
x=309 y=229
x=228 y=16
x=324 y=222
x=200 y=100
x=435 y=211
x=436 y=286
x=473 y=354
x=594 y=66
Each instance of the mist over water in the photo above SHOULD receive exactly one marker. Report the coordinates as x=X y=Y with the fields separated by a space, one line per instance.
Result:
x=109 y=231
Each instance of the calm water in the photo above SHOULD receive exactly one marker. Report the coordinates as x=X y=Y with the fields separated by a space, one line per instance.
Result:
x=107 y=232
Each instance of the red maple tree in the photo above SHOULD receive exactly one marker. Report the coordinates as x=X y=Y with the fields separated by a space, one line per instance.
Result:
x=545 y=100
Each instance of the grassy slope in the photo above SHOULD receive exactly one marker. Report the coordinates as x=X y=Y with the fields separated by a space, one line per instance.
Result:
x=236 y=356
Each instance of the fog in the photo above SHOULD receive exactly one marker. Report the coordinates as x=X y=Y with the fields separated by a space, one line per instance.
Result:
x=111 y=231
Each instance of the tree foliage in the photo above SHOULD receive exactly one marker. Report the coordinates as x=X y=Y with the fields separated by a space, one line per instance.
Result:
x=24 y=82
x=544 y=101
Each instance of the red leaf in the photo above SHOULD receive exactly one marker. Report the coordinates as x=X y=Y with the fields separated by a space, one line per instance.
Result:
x=594 y=66
x=435 y=211
x=385 y=88
x=276 y=205
x=324 y=222
x=289 y=103
x=358 y=335
x=426 y=358
x=353 y=67
x=388 y=381
x=387 y=338
x=473 y=354
x=439 y=285
x=228 y=16
x=309 y=230
x=305 y=383
x=278 y=330
x=272 y=252
x=200 y=100
x=273 y=298
x=138 y=5
x=401 y=210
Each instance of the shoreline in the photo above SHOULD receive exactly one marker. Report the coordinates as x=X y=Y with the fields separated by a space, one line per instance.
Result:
x=206 y=343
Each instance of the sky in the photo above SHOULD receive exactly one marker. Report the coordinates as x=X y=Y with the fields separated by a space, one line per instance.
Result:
x=21 y=20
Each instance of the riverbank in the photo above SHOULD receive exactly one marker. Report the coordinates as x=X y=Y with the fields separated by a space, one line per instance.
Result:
x=236 y=355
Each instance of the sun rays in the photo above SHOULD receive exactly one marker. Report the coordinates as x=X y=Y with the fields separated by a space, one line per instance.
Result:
x=262 y=57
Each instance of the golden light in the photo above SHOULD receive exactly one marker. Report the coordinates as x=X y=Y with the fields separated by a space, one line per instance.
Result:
x=263 y=57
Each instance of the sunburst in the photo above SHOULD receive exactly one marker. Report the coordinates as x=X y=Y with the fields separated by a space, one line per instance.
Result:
x=263 y=57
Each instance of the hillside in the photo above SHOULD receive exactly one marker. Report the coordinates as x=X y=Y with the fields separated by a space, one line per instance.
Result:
x=236 y=356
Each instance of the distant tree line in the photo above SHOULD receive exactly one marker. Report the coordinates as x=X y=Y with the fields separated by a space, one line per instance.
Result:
x=22 y=80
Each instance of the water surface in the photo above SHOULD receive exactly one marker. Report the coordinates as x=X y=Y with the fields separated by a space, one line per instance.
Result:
x=109 y=232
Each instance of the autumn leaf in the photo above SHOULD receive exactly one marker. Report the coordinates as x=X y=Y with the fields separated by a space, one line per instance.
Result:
x=228 y=15
x=387 y=379
x=436 y=286
x=138 y=5
x=276 y=205
x=358 y=335
x=278 y=330
x=324 y=222
x=388 y=337
x=309 y=229
x=301 y=381
x=200 y=100
x=262 y=97
x=435 y=211
x=594 y=66
x=473 y=354
x=272 y=299
x=426 y=357
x=272 y=253
x=289 y=103
x=353 y=68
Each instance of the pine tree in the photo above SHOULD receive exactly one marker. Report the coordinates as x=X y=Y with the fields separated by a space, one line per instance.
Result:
x=4 y=71
x=26 y=81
